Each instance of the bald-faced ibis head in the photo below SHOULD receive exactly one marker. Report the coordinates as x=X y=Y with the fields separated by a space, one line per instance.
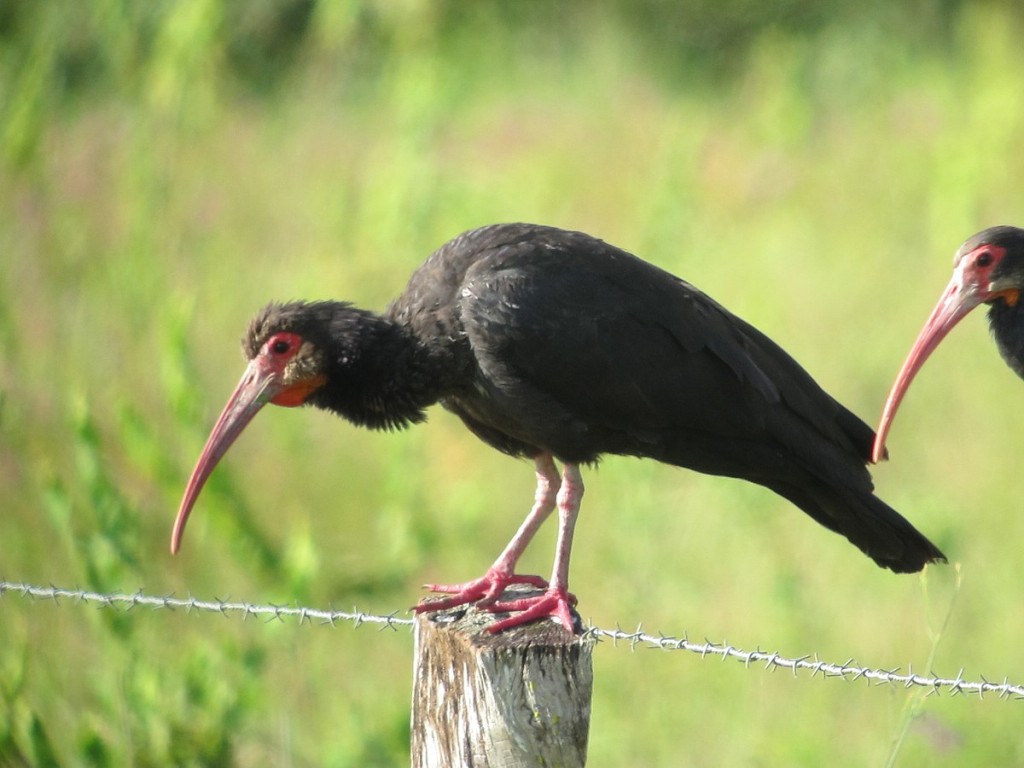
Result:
x=285 y=370
x=987 y=269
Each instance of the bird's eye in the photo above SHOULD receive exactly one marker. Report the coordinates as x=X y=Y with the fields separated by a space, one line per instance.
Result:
x=984 y=259
x=281 y=344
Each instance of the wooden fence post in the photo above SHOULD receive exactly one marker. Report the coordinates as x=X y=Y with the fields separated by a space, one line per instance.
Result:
x=518 y=698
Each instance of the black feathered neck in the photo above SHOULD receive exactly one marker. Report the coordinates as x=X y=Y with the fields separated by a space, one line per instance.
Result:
x=1007 y=324
x=377 y=373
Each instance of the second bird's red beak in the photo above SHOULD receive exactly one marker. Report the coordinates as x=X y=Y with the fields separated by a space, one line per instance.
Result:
x=259 y=385
x=959 y=298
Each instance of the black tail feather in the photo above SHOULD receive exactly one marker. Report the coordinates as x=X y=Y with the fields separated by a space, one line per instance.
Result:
x=870 y=524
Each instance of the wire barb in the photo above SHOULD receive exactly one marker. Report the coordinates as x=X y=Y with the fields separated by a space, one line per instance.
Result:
x=848 y=671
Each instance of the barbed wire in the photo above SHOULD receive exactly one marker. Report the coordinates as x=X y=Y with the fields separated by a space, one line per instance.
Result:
x=848 y=671
x=126 y=601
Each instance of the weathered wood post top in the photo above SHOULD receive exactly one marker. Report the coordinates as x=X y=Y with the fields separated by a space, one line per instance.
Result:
x=518 y=698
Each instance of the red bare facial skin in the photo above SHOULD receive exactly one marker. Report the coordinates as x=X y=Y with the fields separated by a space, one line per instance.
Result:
x=970 y=286
x=263 y=382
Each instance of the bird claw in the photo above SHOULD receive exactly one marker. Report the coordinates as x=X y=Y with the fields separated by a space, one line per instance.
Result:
x=554 y=602
x=484 y=591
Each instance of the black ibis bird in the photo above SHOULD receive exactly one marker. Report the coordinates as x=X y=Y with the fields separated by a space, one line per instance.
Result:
x=987 y=269
x=554 y=345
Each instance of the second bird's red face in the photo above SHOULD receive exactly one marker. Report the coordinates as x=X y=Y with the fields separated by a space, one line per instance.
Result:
x=977 y=271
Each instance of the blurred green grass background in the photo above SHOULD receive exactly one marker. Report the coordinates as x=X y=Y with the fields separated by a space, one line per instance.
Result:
x=168 y=167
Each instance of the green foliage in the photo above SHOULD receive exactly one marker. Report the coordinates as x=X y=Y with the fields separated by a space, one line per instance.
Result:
x=168 y=167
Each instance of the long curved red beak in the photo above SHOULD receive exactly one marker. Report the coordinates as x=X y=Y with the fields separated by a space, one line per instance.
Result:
x=258 y=385
x=959 y=298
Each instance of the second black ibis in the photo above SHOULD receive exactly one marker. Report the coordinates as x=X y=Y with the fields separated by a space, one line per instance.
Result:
x=987 y=269
x=556 y=346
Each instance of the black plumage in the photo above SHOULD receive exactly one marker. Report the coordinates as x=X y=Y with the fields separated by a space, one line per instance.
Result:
x=552 y=344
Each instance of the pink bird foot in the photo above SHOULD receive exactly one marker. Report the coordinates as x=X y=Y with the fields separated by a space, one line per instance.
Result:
x=484 y=591
x=554 y=602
